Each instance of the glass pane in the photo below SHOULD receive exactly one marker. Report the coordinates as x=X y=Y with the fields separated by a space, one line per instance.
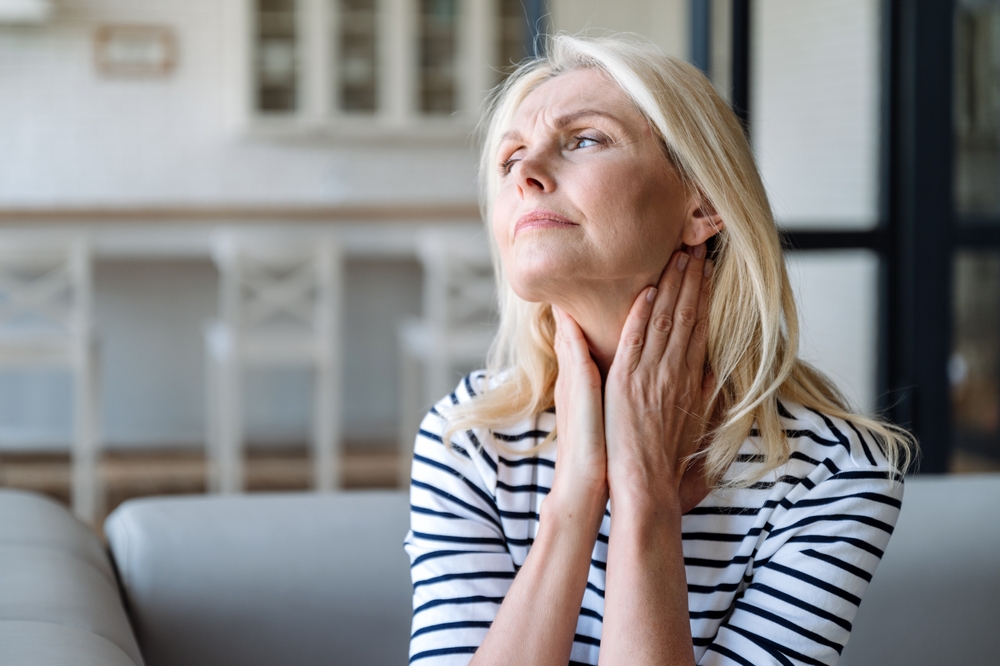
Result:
x=277 y=58
x=837 y=295
x=512 y=31
x=977 y=106
x=815 y=110
x=357 y=64
x=438 y=41
x=974 y=367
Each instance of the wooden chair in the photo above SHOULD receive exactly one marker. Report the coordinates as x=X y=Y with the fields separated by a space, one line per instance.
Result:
x=280 y=305
x=46 y=322
x=456 y=330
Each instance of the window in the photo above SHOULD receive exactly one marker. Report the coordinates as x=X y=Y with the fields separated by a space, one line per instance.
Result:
x=367 y=67
x=277 y=58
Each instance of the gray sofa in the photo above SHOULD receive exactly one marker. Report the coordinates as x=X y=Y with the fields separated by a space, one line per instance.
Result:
x=322 y=579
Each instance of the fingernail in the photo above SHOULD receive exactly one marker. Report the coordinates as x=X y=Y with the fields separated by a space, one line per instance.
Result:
x=651 y=294
x=699 y=250
x=709 y=266
x=682 y=261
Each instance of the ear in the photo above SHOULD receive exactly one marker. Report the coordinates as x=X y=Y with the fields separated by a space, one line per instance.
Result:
x=701 y=221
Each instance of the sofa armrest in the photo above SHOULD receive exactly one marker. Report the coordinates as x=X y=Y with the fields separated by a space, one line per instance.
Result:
x=59 y=602
x=266 y=579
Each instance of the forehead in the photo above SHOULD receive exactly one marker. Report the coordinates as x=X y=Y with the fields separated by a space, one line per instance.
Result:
x=582 y=89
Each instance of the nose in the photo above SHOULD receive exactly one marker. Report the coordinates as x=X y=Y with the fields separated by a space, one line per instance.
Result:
x=534 y=175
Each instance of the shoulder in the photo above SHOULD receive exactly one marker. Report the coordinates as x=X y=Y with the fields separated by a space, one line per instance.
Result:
x=484 y=448
x=839 y=445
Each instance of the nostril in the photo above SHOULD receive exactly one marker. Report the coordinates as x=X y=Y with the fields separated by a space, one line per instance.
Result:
x=534 y=182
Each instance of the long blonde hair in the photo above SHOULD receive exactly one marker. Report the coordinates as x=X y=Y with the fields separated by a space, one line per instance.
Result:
x=753 y=339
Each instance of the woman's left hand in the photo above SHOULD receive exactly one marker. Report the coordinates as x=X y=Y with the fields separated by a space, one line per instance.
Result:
x=655 y=399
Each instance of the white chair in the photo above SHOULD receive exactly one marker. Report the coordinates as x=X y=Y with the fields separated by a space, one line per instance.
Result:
x=280 y=304
x=46 y=322
x=456 y=330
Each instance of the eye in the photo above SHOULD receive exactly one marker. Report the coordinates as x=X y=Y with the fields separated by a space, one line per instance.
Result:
x=585 y=141
x=506 y=165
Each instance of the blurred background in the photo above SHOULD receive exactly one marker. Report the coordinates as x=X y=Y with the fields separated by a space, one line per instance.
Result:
x=191 y=189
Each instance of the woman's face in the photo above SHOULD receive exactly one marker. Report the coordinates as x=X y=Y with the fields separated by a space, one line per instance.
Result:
x=586 y=194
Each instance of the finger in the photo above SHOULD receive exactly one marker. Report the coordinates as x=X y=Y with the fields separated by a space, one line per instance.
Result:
x=661 y=320
x=570 y=338
x=698 y=347
x=686 y=310
x=630 y=344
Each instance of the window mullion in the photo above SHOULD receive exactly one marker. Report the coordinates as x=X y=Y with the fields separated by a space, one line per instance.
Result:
x=398 y=51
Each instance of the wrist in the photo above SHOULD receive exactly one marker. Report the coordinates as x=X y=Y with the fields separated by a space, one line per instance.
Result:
x=644 y=505
x=575 y=510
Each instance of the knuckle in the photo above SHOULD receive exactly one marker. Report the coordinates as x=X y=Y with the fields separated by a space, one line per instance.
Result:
x=633 y=341
x=687 y=316
x=663 y=322
x=701 y=331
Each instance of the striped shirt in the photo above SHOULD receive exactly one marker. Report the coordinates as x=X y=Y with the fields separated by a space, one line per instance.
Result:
x=775 y=572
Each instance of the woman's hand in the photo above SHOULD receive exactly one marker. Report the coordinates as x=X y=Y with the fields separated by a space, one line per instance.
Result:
x=655 y=401
x=581 y=459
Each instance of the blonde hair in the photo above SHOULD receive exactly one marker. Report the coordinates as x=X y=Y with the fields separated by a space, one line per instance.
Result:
x=753 y=324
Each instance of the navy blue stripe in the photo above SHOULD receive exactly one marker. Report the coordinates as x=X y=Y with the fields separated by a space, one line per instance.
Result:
x=791 y=626
x=823 y=538
x=448 y=538
x=472 y=575
x=465 y=624
x=458 y=601
x=586 y=640
x=864 y=444
x=798 y=603
x=726 y=652
x=531 y=460
x=841 y=438
x=451 y=498
x=485 y=496
x=839 y=563
x=769 y=646
x=834 y=518
x=528 y=488
x=535 y=434
x=815 y=582
x=468 y=649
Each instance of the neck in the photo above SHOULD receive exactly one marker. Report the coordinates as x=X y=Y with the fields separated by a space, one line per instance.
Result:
x=601 y=311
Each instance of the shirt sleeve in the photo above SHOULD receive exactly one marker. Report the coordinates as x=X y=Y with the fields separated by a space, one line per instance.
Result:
x=459 y=562
x=810 y=573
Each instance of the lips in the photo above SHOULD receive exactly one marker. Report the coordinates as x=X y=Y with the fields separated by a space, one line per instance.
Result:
x=542 y=219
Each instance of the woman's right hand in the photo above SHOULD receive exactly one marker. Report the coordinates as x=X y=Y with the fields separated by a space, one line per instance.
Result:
x=581 y=455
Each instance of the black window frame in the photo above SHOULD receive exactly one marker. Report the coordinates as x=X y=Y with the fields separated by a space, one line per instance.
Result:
x=916 y=234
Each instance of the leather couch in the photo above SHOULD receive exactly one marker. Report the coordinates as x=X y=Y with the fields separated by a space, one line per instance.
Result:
x=308 y=579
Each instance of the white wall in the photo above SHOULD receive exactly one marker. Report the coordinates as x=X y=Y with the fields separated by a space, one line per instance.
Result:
x=665 y=22
x=815 y=109
x=69 y=136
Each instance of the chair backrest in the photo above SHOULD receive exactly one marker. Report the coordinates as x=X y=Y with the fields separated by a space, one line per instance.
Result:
x=45 y=287
x=459 y=282
x=278 y=286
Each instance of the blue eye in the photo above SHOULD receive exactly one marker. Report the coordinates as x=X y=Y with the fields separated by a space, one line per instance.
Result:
x=586 y=142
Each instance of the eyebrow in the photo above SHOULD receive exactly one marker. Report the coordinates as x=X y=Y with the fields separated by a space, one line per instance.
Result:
x=563 y=121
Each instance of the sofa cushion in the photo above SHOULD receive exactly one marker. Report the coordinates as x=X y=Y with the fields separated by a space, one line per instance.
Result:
x=45 y=644
x=935 y=598
x=266 y=579
x=53 y=572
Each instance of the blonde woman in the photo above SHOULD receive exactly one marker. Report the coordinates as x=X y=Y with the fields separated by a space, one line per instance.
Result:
x=645 y=473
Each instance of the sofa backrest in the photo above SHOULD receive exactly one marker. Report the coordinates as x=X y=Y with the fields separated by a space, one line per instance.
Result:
x=308 y=579
x=266 y=579
x=935 y=598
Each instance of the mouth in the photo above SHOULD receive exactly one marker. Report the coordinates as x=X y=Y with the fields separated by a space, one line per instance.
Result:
x=542 y=219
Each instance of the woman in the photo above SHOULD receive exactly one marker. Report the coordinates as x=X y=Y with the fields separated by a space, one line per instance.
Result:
x=646 y=356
